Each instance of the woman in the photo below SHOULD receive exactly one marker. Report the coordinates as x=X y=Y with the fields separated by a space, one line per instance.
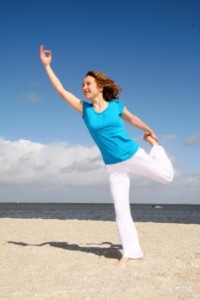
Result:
x=121 y=154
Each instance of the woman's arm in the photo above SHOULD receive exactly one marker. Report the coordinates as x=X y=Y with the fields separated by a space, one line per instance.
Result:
x=137 y=122
x=46 y=58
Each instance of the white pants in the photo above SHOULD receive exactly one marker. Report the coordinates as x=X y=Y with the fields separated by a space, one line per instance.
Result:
x=156 y=166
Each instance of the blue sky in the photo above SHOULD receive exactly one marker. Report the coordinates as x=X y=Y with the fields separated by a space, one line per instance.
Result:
x=151 y=48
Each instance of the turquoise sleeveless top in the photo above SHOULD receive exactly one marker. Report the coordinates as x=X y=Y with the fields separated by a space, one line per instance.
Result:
x=108 y=132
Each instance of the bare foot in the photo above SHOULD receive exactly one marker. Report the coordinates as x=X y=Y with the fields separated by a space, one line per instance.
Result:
x=122 y=261
x=148 y=138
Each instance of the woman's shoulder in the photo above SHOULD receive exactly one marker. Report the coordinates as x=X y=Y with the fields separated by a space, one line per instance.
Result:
x=86 y=105
x=119 y=105
x=116 y=101
x=86 y=108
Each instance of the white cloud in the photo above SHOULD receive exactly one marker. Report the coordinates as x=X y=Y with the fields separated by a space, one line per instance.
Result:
x=26 y=162
x=33 y=97
x=194 y=139
x=168 y=138
x=60 y=172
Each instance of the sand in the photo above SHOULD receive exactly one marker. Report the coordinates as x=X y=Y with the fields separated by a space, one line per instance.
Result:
x=74 y=258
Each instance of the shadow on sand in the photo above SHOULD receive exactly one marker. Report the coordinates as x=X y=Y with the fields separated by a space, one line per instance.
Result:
x=106 y=249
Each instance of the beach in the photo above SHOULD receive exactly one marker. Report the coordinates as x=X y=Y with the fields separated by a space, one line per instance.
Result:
x=70 y=251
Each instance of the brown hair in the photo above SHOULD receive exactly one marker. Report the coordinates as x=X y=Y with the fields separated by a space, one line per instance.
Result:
x=111 y=90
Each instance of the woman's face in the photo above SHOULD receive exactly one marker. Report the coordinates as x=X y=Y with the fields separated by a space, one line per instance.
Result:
x=90 y=88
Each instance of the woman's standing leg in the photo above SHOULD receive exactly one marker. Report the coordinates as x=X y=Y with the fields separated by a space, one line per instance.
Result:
x=119 y=185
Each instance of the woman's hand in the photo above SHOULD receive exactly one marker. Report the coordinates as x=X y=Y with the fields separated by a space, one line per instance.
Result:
x=45 y=56
x=151 y=138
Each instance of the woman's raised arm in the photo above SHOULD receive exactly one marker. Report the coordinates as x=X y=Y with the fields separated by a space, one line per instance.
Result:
x=46 y=58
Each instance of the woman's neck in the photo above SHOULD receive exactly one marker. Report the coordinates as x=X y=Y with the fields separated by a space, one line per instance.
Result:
x=99 y=103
